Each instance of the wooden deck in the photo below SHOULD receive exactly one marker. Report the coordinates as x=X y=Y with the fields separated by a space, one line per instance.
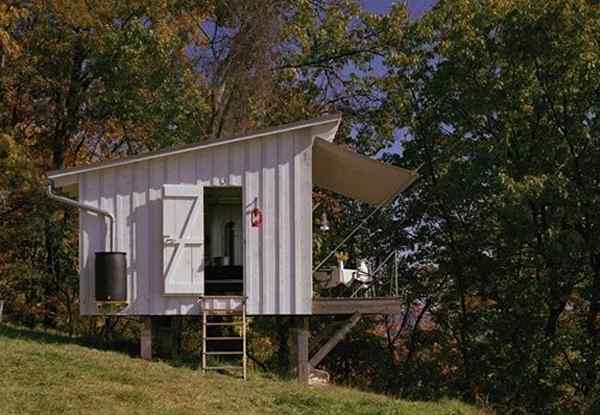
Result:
x=378 y=305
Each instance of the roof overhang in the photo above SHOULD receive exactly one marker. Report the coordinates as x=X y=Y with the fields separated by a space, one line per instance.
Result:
x=334 y=167
x=325 y=127
x=356 y=176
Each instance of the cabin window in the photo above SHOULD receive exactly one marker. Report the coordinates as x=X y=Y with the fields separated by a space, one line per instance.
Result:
x=223 y=233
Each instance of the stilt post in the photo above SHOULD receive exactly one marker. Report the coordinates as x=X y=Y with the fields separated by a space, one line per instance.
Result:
x=244 y=334
x=299 y=335
x=146 y=339
x=204 y=334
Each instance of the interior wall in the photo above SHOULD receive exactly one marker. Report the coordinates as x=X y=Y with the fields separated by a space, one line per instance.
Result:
x=217 y=215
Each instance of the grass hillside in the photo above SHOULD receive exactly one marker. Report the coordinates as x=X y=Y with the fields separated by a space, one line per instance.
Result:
x=50 y=374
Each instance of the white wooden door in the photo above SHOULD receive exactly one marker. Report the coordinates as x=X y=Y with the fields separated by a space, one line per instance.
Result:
x=183 y=239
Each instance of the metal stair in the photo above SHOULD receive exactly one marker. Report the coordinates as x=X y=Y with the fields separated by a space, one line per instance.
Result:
x=215 y=318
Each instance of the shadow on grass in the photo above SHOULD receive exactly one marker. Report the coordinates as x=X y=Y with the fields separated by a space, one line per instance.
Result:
x=51 y=337
x=13 y=332
x=128 y=347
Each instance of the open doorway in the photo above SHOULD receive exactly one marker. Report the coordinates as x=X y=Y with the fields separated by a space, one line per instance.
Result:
x=224 y=252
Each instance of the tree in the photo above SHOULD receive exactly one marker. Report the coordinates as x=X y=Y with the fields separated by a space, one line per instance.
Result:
x=80 y=84
x=502 y=110
x=495 y=101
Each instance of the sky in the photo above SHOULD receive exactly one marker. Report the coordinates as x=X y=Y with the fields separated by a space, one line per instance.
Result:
x=417 y=7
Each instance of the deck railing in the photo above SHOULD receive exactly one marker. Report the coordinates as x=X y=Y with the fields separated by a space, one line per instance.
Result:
x=380 y=281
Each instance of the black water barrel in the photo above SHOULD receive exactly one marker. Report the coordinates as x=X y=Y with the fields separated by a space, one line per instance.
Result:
x=111 y=276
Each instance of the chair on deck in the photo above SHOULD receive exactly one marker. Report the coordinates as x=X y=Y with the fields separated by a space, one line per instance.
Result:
x=339 y=275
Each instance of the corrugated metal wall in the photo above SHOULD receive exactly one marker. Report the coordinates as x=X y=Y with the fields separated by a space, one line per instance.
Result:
x=275 y=175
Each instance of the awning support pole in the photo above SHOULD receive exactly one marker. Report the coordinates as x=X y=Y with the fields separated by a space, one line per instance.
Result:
x=90 y=208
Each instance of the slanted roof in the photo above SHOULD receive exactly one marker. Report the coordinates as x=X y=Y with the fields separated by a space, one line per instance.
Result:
x=334 y=167
x=356 y=176
x=69 y=176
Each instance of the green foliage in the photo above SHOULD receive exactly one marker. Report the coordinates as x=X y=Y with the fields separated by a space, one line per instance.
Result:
x=503 y=114
x=496 y=101
x=50 y=373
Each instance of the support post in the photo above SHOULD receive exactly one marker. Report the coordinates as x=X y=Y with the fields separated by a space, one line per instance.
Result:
x=146 y=339
x=244 y=351
x=204 y=334
x=335 y=339
x=176 y=332
x=299 y=335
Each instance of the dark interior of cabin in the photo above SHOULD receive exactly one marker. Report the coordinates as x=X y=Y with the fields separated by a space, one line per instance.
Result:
x=223 y=228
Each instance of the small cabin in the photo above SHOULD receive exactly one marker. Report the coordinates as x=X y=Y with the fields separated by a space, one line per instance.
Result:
x=207 y=224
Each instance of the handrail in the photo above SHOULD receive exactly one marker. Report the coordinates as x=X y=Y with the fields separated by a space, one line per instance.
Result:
x=360 y=225
x=351 y=234
x=83 y=206
x=373 y=275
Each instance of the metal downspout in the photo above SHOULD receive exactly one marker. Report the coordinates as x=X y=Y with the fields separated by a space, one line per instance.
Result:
x=89 y=208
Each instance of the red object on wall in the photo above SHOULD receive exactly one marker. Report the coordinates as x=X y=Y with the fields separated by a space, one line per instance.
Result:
x=256 y=217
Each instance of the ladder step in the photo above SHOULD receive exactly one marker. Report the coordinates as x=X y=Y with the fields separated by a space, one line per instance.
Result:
x=223 y=353
x=225 y=338
x=237 y=318
x=215 y=312
x=209 y=310
x=232 y=313
x=223 y=368
x=221 y=297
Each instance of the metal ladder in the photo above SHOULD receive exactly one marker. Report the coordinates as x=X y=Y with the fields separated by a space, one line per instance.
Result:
x=238 y=318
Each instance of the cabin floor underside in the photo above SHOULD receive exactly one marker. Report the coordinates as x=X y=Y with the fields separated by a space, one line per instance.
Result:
x=370 y=305
x=321 y=306
x=304 y=365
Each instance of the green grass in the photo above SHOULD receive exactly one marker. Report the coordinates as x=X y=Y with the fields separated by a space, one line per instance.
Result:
x=42 y=374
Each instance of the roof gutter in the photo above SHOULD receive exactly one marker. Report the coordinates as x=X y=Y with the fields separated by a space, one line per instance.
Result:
x=89 y=208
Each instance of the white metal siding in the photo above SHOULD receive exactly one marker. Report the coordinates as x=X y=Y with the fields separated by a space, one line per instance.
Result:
x=276 y=176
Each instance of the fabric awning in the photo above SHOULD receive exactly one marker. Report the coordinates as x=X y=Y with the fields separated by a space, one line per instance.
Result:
x=356 y=176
